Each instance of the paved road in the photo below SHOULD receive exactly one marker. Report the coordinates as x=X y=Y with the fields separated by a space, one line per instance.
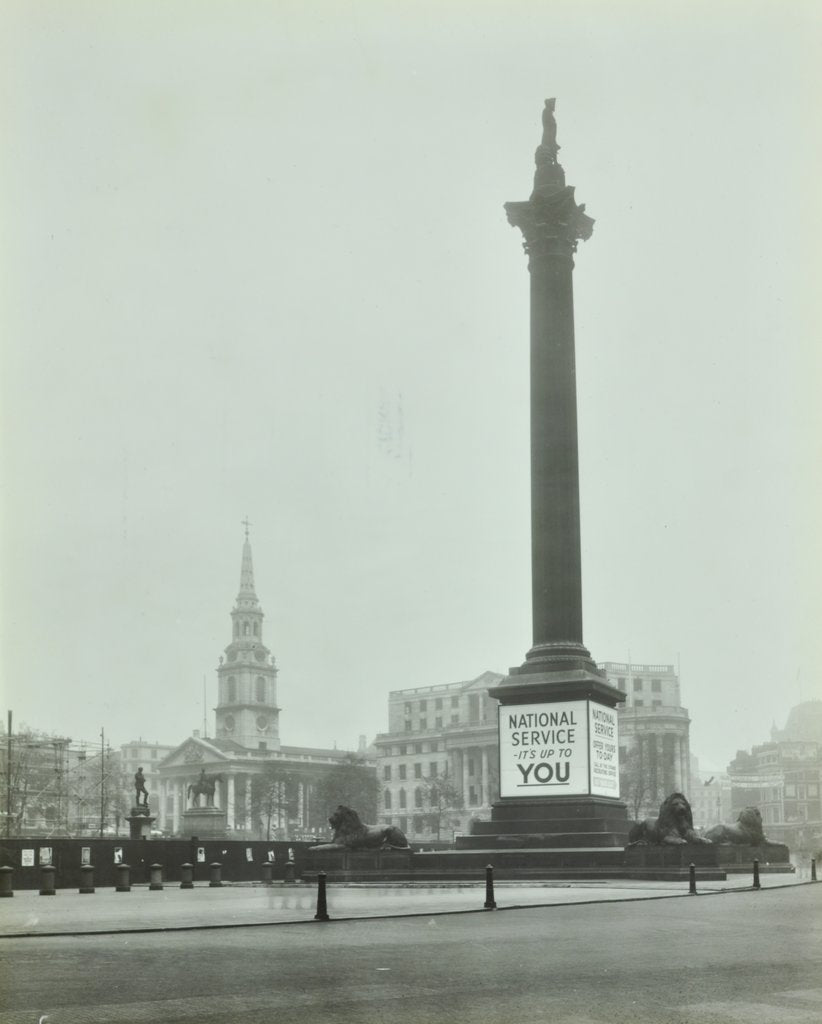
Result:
x=69 y=912
x=735 y=958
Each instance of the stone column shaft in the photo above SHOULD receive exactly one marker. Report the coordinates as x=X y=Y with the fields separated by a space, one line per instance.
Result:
x=230 y=803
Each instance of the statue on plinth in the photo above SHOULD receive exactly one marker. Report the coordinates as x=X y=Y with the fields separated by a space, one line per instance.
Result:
x=350 y=833
x=140 y=788
x=673 y=826
x=549 y=130
x=205 y=786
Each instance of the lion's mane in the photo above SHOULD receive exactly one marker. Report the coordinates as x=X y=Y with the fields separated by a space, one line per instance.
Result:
x=350 y=833
x=674 y=824
x=747 y=831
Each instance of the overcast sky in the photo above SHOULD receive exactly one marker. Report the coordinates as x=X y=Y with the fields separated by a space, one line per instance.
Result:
x=255 y=263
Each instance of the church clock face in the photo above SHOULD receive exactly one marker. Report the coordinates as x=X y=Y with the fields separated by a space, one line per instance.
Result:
x=262 y=722
x=228 y=721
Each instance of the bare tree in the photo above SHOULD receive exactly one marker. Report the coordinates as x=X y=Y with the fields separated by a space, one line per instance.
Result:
x=441 y=798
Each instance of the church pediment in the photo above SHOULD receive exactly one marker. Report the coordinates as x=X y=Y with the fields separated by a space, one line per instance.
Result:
x=193 y=751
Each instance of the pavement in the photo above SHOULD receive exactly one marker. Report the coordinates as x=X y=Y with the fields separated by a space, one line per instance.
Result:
x=738 y=957
x=106 y=911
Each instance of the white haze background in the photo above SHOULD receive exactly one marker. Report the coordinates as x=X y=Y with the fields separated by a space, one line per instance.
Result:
x=255 y=262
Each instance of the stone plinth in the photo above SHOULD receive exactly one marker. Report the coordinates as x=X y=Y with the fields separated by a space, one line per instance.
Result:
x=205 y=822
x=668 y=861
x=140 y=822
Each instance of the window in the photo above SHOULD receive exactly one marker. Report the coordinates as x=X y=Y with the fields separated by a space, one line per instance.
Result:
x=402 y=799
x=259 y=690
x=473 y=707
x=386 y=772
x=656 y=703
x=256 y=629
x=455 y=702
x=417 y=770
x=423 y=705
x=455 y=719
x=432 y=769
x=438 y=703
x=417 y=822
x=621 y=683
x=408 y=725
x=386 y=799
x=790 y=789
x=423 y=723
x=470 y=766
x=637 y=685
x=418 y=748
x=408 y=707
x=403 y=749
x=656 y=686
x=403 y=823
x=262 y=746
x=231 y=690
x=438 y=722
x=401 y=770
x=245 y=629
x=813 y=789
x=472 y=795
x=418 y=797
x=236 y=629
x=639 y=703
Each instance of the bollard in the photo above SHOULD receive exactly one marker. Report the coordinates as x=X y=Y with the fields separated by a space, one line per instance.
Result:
x=813 y=869
x=47 y=873
x=123 y=878
x=692 y=879
x=214 y=875
x=86 y=878
x=266 y=870
x=288 y=877
x=186 y=876
x=756 y=884
x=5 y=881
x=322 y=910
x=489 y=888
x=155 y=876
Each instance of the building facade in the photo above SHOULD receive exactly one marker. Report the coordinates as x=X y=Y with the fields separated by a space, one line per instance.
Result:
x=654 y=735
x=783 y=778
x=449 y=733
x=438 y=764
x=246 y=748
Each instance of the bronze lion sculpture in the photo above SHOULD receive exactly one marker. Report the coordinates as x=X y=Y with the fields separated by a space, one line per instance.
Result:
x=674 y=825
x=351 y=834
x=747 y=831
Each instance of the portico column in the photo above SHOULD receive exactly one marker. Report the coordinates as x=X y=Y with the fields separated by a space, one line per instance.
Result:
x=686 y=765
x=678 y=786
x=464 y=753
x=484 y=799
x=175 y=805
x=660 y=765
x=230 y=803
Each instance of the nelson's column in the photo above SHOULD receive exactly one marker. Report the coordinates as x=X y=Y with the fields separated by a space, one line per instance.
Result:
x=559 y=770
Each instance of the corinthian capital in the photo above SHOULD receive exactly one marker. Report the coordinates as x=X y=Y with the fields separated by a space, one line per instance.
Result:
x=551 y=225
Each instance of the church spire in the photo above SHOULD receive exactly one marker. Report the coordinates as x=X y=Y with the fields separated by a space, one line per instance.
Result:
x=247 y=597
